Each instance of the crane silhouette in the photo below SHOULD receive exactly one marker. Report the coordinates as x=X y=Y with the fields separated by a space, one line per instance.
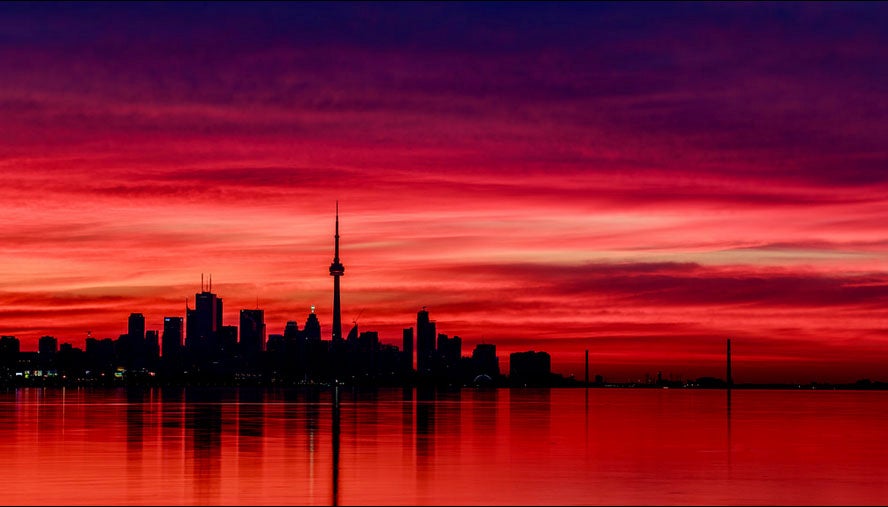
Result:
x=358 y=316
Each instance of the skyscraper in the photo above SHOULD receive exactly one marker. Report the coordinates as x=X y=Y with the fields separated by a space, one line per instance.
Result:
x=132 y=344
x=47 y=348
x=449 y=350
x=136 y=327
x=203 y=323
x=425 y=343
x=171 y=341
x=252 y=332
x=336 y=270
x=312 y=329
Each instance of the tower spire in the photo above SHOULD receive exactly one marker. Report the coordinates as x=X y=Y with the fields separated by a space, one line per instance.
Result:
x=336 y=250
x=336 y=270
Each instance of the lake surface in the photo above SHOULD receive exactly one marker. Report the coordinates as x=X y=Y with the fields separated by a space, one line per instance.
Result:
x=394 y=446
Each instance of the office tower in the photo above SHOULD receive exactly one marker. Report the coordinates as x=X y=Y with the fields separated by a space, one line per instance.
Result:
x=449 y=350
x=336 y=270
x=152 y=348
x=484 y=360
x=47 y=346
x=291 y=331
x=204 y=321
x=130 y=345
x=171 y=341
x=312 y=328
x=252 y=332
x=136 y=328
x=425 y=343
x=407 y=350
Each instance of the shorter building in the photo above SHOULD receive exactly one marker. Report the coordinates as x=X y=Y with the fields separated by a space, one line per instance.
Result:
x=485 y=362
x=530 y=368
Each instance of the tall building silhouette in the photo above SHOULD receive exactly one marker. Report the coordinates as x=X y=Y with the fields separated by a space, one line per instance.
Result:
x=136 y=327
x=252 y=332
x=425 y=343
x=484 y=360
x=336 y=270
x=171 y=341
x=312 y=328
x=291 y=331
x=203 y=323
x=131 y=345
x=47 y=345
x=449 y=350
x=47 y=348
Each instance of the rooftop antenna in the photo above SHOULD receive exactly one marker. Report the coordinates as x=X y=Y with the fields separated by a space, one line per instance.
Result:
x=312 y=308
x=211 y=282
x=201 y=282
x=257 y=302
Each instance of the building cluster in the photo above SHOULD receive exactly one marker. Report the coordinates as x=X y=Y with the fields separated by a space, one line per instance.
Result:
x=200 y=349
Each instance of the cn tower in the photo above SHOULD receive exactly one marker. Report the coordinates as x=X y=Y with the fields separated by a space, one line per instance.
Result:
x=336 y=270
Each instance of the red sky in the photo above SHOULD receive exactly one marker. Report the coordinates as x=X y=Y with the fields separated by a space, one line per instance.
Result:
x=641 y=181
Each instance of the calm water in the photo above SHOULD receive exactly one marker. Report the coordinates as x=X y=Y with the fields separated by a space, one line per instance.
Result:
x=394 y=446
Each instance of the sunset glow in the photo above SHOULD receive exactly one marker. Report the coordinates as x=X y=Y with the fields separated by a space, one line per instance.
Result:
x=638 y=180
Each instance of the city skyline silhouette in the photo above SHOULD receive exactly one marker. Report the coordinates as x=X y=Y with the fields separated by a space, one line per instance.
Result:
x=443 y=253
x=199 y=348
x=540 y=176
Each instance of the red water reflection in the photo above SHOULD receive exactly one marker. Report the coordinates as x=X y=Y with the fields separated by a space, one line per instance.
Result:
x=559 y=446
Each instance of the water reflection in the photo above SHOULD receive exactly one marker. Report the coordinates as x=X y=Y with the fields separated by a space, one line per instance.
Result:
x=425 y=428
x=728 y=432
x=135 y=398
x=250 y=420
x=407 y=428
x=334 y=430
x=519 y=446
x=203 y=430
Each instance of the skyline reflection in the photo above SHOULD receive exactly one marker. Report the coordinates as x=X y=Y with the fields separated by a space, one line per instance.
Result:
x=410 y=447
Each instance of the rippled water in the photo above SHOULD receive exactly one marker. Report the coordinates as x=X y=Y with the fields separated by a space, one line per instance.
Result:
x=394 y=446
